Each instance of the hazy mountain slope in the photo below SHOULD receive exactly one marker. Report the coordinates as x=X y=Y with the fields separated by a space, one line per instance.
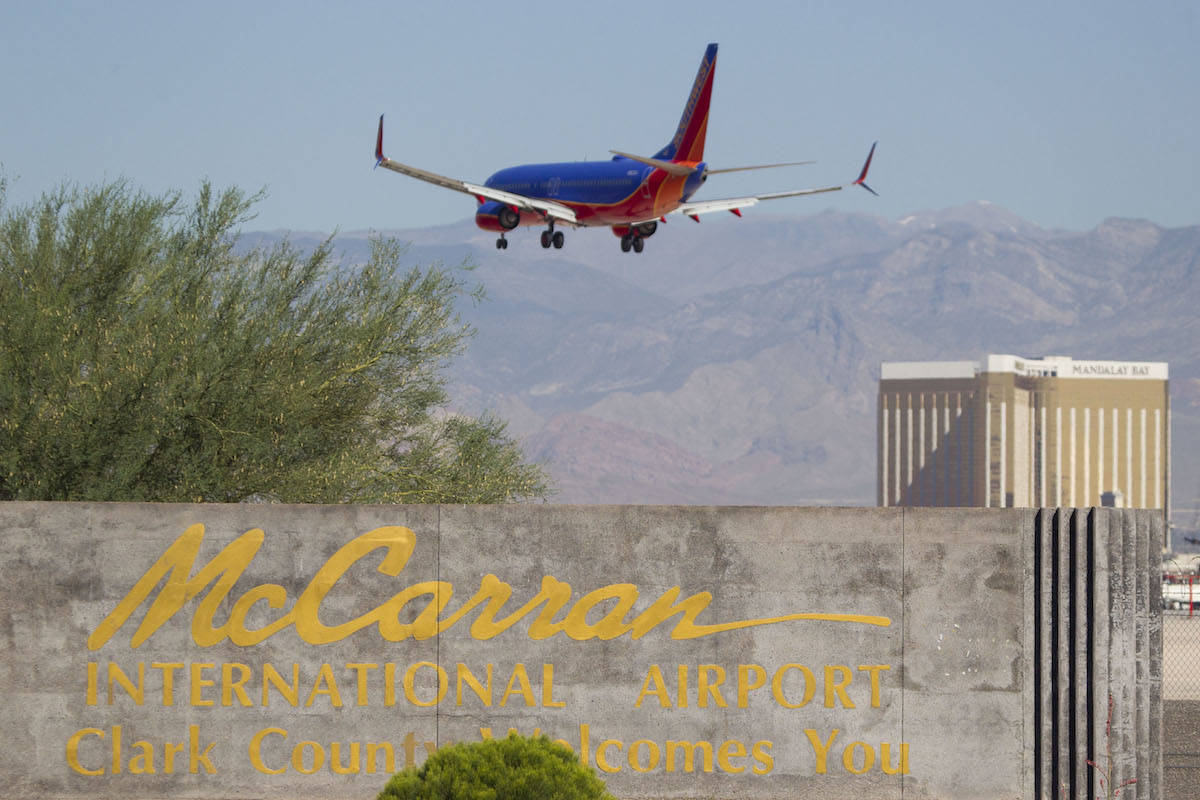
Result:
x=736 y=361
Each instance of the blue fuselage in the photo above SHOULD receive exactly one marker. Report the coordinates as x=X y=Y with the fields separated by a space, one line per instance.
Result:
x=590 y=182
x=614 y=192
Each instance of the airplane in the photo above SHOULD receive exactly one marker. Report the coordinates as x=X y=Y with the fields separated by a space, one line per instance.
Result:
x=631 y=194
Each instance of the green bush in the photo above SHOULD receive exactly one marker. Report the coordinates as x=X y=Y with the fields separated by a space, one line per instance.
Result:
x=515 y=768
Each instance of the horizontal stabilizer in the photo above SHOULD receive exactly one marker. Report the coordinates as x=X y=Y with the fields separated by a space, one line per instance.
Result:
x=666 y=166
x=759 y=166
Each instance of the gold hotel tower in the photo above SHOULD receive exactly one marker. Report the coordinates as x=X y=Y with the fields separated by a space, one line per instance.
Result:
x=1014 y=431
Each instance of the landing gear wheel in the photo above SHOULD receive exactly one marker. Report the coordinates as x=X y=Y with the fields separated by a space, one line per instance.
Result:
x=638 y=244
x=626 y=243
x=546 y=237
x=502 y=243
x=557 y=240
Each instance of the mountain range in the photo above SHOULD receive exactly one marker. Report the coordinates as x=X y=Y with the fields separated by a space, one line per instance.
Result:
x=736 y=361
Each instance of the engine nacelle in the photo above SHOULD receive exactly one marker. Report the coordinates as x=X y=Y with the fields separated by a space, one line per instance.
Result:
x=496 y=216
x=642 y=230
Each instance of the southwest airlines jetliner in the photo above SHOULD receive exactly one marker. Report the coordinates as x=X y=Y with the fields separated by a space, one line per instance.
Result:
x=631 y=194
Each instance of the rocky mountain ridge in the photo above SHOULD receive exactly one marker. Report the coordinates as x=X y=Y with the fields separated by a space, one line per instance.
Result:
x=736 y=361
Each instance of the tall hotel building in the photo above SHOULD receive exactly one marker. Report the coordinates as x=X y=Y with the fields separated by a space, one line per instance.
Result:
x=1014 y=431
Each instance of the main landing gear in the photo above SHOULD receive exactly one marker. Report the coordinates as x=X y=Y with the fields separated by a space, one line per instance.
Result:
x=552 y=237
x=633 y=237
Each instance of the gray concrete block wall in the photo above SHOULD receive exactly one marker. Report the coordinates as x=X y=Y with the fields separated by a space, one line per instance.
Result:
x=1099 y=631
x=1007 y=631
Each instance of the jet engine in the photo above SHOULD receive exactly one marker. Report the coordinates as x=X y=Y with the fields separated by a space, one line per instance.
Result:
x=642 y=230
x=496 y=216
x=507 y=218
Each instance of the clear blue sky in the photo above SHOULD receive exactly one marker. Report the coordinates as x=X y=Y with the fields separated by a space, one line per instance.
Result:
x=1065 y=112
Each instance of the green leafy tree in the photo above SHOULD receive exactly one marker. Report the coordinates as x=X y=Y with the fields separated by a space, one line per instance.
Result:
x=513 y=768
x=143 y=357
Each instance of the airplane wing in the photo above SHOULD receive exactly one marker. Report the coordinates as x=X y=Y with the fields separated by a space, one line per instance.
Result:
x=736 y=204
x=517 y=201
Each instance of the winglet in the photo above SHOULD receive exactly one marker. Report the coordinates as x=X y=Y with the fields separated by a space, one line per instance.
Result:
x=379 y=143
x=862 y=176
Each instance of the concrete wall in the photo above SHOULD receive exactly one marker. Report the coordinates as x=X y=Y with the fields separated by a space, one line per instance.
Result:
x=290 y=651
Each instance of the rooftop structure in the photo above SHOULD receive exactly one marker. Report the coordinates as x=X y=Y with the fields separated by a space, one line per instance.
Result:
x=1011 y=431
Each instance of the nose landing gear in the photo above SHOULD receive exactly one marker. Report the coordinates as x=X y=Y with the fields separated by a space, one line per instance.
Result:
x=502 y=243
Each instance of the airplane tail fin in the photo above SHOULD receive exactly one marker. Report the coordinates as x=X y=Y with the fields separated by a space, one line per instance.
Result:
x=688 y=142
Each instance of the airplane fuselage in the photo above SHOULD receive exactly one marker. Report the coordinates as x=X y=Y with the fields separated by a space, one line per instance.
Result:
x=616 y=192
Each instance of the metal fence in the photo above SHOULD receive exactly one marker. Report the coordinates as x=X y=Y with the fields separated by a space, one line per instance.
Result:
x=1181 y=653
x=1181 y=636
x=1181 y=687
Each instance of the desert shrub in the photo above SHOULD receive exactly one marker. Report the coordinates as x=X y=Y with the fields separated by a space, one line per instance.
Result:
x=514 y=768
